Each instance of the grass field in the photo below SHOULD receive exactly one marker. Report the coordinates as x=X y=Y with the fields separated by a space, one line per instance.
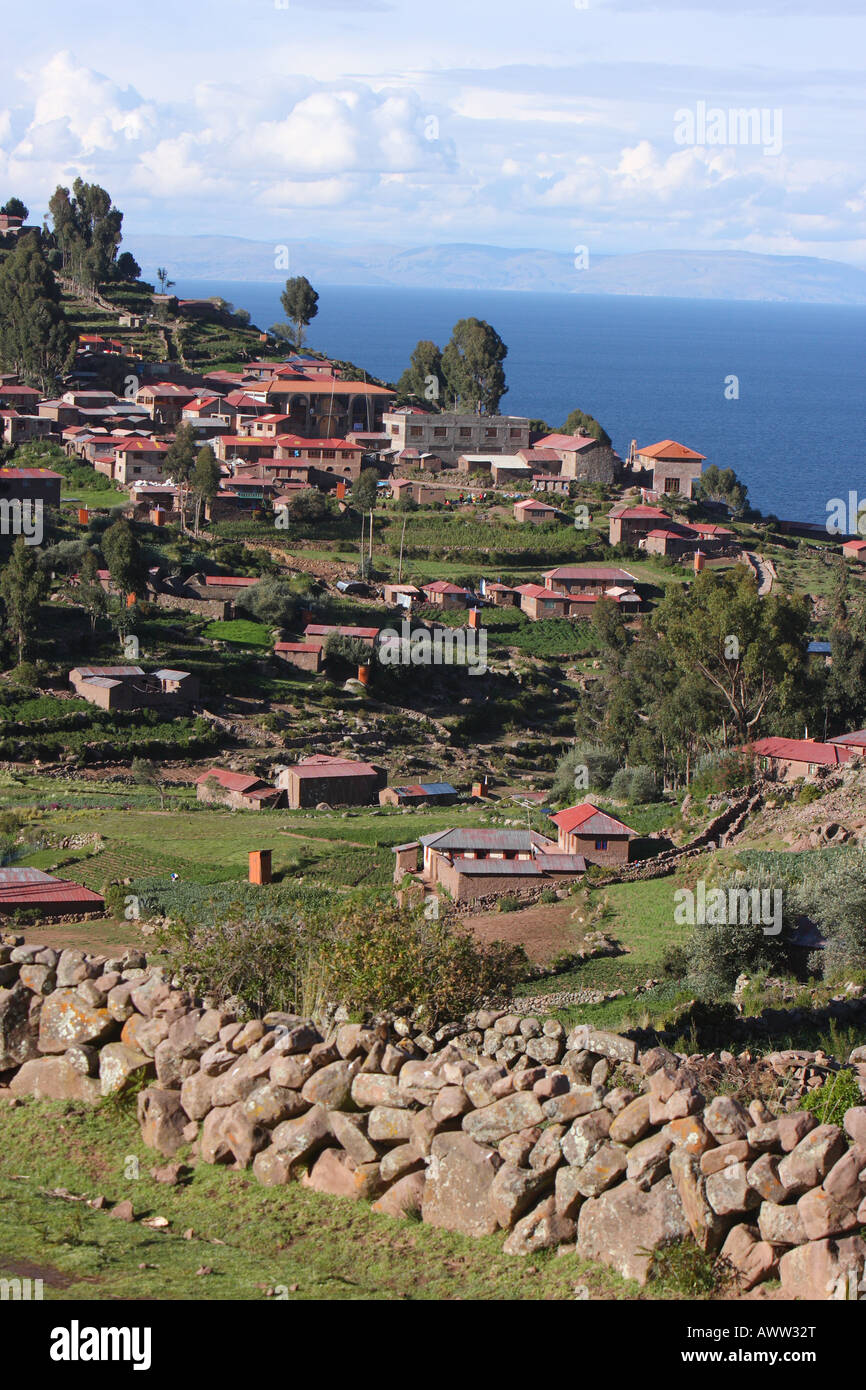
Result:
x=229 y=1238
x=242 y=631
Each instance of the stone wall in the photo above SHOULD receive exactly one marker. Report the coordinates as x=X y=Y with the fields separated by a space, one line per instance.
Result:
x=496 y=1122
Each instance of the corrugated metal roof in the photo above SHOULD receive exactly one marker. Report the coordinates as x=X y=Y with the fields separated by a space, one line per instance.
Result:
x=24 y=875
x=802 y=751
x=519 y=841
x=513 y=868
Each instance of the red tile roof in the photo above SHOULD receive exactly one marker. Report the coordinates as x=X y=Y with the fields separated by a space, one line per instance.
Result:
x=232 y=781
x=590 y=820
x=669 y=449
x=800 y=750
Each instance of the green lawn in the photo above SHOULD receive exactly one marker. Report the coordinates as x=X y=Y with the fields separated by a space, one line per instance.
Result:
x=242 y=1240
x=243 y=631
x=93 y=499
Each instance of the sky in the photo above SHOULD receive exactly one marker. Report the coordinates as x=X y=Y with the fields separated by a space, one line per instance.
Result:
x=555 y=124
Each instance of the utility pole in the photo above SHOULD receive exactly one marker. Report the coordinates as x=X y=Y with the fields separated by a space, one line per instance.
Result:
x=371 y=539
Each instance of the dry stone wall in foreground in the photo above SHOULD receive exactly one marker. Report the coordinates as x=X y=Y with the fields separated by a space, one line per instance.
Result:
x=498 y=1122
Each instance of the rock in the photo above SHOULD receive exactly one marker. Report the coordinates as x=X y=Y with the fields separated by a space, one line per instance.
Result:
x=764 y=1138
x=823 y=1215
x=184 y=1037
x=39 y=979
x=240 y=1080
x=611 y=1045
x=404 y=1197
x=331 y=1087
x=335 y=1173
x=272 y=1168
x=728 y=1190
x=486 y=1086
x=506 y=1116
x=606 y=1167
x=396 y=1163
x=516 y=1148
x=585 y=1137
x=734 y=1151
x=18 y=1033
x=623 y=1226
x=119 y=1064
x=52 y=1078
x=171 y=1174
x=727 y=1119
x=196 y=1094
x=794 y=1127
x=814 y=1271
x=855 y=1124
x=451 y=1103
x=545 y=1050
x=269 y=1105
x=83 y=1059
x=213 y=1147
x=350 y=1133
x=162 y=1120
x=648 y=1160
x=567 y=1194
x=780 y=1224
x=690 y=1133
x=514 y=1190
x=291 y=1072
x=580 y=1100
x=846 y=1181
x=172 y=1069
x=809 y=1163
x=763 y=1176
x=67 y=1019
x=546 y=1153
x=244 y=1136
x=632 y=1123
x=144 y=1034
x=542 y=1229
x=388 y=1125
x=119 y=1001
x=124 y=1211
x=299 y=1139
x=373 y=1089
x=753 y=1259
x=459 y=1177
x=705 y=1224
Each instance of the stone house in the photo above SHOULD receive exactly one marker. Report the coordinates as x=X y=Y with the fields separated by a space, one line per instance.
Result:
x=599 y=837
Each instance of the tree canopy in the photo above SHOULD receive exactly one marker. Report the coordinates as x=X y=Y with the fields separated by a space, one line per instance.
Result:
x=35 y=340
x=423 y=379
x=472 y=366
x=300 y=305
x=87 y=229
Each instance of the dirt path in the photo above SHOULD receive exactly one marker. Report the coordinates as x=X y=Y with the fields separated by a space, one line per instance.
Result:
x=543 y=930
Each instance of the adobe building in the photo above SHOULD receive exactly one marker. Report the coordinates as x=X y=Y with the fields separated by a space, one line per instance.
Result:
x=601 y=838
x=333 y=781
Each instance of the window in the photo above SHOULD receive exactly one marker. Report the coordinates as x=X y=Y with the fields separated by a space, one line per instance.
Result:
x=490 y=434
x=415 y=431
x=439 y=432
x=514 y=434
x=601 y=844
x=672 y=485
x=465 y=433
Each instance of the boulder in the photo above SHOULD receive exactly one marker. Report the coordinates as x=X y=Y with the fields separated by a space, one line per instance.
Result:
x=299 y=1139
x=542 y=1229
x=809 y=1163
x=585 y=1137
x=196 y=1094
x=269 y=1105
x=459 y=1177
x=18 y=1031
x=67 y=1019
x=330 y=1087
x=763 y=1176
x=729 y=1192
x=52 y=1078
x=371 y=1088
x=821 y=1269
x=506 y=1116
x=514 y=1190
x=403 y=1197
x=606 y=1167
x=752 y=1259
x=243 y=1134
x=727 y=1119
x=632 y=1123
x=823 y=1215
x=648 y=1160
x=350 y=1133
x=272 y=1168
x=162 y=1119
x=622 y=1227
x=335 y=1173
x=580 y=1100
x=705 y=1224
x=780 y=1224
x=854 y=1122
x=119 y=1064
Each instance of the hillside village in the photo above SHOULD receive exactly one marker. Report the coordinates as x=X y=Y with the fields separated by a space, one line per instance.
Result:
x=295 y=658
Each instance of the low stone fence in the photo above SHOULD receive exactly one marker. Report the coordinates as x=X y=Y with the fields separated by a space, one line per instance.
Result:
x=495 y=1122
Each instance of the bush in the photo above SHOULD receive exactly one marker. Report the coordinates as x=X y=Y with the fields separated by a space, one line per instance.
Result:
x=599 y=763
x=830 y=1102
x=715 y=773
x=718 y=952
x=637 y=784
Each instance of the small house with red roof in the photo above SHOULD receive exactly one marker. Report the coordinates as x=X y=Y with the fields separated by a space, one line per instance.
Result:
x=599 y=837
x=791 y=758
x=443 y=594
x=675 y=468
x=530 y=509
x=854 y=549
x=628 y=525
x=32 y=890
x=239 y=790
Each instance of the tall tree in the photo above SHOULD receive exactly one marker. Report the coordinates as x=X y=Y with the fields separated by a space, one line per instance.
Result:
x=300 y=305
x=205 y=480
x=423 y=379
x=123 y=557
x=22 y=586
x=750 y=651
x=365 y=491
x=180 y=459
x=87 y=228
x=13 y=207
x=35 y=339
x=90 y=592
x=472 y=366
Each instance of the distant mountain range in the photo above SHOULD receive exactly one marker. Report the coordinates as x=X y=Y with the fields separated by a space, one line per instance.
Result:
x=675 y=274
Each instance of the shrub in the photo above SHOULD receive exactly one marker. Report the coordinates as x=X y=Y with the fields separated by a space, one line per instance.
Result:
x=829 y=1103
x=718 y=952
x=600 y=764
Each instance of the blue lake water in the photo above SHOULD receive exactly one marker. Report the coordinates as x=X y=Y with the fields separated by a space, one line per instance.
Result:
x=648 y=369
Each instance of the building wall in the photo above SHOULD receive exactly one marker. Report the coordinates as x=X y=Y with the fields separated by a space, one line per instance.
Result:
x=617 y=851
x=453 y=433
x=336 y=791
x=598 y=464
